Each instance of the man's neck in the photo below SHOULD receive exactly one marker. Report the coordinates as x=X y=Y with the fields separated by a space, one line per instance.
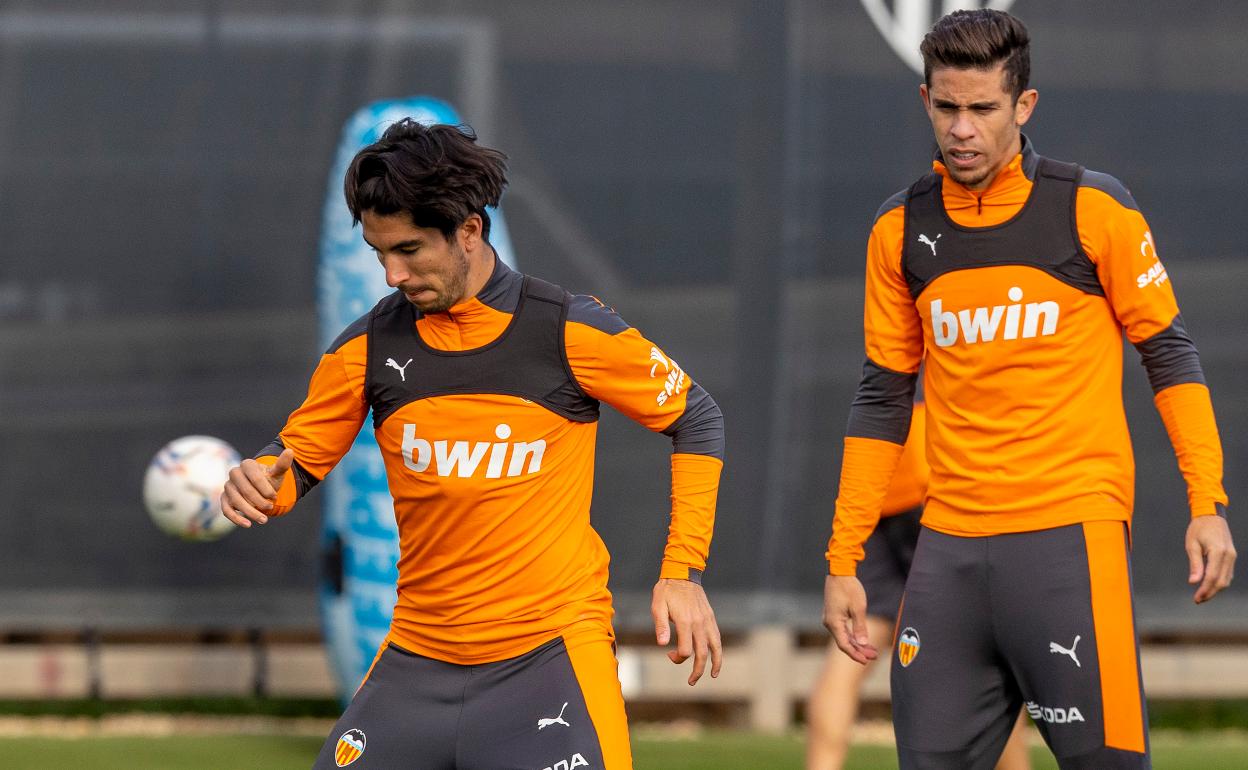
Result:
x=480 y=268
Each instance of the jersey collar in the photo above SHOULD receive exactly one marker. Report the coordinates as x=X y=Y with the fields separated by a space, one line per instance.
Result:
x=500 y=292
x=1009 y=189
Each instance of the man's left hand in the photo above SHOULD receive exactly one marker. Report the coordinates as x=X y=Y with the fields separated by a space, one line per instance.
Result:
x=683 y=604
x=1211 y=554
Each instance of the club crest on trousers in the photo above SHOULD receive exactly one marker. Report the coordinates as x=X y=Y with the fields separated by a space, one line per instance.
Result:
x=907 y=646
x=350 y=747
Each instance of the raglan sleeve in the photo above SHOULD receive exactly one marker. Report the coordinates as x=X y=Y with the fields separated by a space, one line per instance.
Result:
x=325 y=425
x=879 y=417
x=1116 y=237
x=616 y=364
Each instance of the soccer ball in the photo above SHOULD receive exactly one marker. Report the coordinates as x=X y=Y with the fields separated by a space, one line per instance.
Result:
x=182 y=488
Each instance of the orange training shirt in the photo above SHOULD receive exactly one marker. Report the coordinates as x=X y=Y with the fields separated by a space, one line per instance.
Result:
x=492 y=492
x=1023 y=373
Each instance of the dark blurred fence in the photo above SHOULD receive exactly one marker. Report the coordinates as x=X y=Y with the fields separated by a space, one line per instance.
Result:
x=710 y=168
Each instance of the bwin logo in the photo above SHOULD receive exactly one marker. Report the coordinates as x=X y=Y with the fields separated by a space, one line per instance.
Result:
x=1039 y=319
x=462 y=459
x=905 y=24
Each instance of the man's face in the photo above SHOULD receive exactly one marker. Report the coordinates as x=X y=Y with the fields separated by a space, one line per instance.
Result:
x=429 y=269
x=976 y=121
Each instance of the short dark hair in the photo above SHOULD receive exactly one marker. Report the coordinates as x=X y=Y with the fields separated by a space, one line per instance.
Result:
x=979 y=39
x=438 y=174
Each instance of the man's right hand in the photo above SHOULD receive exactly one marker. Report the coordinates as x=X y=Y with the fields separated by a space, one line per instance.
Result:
x=251 y=489
x=1211 y=553
x=845 y=615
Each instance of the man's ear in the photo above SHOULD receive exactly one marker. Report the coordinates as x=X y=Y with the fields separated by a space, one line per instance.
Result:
x=470 y=232
x=1024 y=106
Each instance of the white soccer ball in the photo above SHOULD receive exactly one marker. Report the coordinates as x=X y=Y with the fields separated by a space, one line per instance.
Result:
x=182 y=488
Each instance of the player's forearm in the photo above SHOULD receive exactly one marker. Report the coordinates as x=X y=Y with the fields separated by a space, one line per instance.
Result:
x=867 y=469
x=879 y=422
x=1187 y=412
x=1178 y=381
x=695 y=488
x=697 y=460
x=324 y=426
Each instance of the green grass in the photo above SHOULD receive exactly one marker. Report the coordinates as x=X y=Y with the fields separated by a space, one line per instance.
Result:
x=717 y=750
x=174 y=753
x=218 y=706
x=1229 y=714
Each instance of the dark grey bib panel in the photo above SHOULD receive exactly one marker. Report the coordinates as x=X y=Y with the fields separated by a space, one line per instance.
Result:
x=1043 y=234
x=527 y=360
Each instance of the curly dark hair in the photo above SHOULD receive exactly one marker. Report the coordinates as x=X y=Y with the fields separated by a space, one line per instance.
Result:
x=979 y=39
x=438 y=174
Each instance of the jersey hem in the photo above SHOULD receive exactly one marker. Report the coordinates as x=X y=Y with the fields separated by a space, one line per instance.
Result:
x=952 y=522
x=496 y=652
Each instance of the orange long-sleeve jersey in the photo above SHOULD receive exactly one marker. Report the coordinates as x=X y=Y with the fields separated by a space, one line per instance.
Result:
x=492 y=489
x=1023 y=367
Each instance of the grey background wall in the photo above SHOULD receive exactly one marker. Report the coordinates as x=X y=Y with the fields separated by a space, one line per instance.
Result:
x=710 y=168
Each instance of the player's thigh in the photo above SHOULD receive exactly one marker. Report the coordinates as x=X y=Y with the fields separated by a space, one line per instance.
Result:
x=559 y=706
x=597 y=673
x=1065 y=595
x=404 y=715
x=953 y=702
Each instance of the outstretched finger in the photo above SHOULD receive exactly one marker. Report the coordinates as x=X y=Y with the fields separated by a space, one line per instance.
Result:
x=1214 y=571
x=717 y=649
x=1228 y=569
x=701 y=651
x=662 y=626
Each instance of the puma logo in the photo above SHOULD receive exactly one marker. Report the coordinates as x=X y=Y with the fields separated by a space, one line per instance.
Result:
x=1054 y=647
x=545 y=722
x=930 y=242
x=390 y=362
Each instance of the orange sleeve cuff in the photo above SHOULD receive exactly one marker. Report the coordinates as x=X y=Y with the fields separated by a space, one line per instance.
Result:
x=695 y=487
x=672 y=571
x=1187 y=412
x=287 y=494
x=867 y=469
